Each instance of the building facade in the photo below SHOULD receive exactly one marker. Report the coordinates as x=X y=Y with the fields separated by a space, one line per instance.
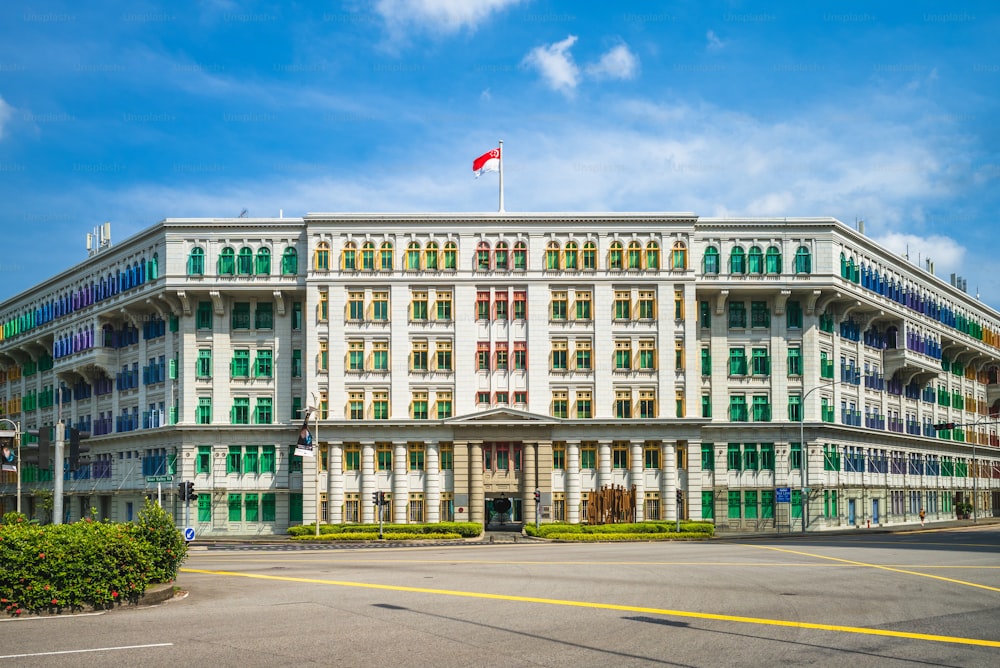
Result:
x=757 y=373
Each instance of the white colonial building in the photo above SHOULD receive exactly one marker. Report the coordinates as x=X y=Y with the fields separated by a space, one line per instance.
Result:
x=758 y=373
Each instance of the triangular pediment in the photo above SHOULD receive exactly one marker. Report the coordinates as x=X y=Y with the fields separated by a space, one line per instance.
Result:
x=501 y=416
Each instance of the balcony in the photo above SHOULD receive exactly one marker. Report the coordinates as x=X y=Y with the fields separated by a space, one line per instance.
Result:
x=910 y=364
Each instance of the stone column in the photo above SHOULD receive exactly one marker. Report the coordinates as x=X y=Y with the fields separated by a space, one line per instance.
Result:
x=603 y=463
x=669 y=484
x=529 y=483
x=367 y=482
x=477 y=509
x=573 y=482
x=335 y=481
x=400 y=483
x=636 y=467
x=432 y=482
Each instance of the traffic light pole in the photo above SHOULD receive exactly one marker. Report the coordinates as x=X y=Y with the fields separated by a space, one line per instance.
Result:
x=57 y=474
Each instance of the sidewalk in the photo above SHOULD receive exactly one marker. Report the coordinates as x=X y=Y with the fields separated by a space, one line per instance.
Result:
x=722 y=533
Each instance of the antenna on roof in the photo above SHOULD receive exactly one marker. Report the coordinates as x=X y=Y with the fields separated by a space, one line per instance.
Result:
x=243 y=213
x=99 y=239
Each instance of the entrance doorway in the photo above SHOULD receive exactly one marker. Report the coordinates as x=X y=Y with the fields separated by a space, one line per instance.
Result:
x=851 y=516
x=503 y=512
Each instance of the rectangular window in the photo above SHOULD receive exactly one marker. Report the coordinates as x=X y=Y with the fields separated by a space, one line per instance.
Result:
x=483 y=356
x=203 y=317
x=204 y=415
x=560 y=355
x=296 y=316
x=761 y=409
x=560 y=403
x=734 y=504
x=203 y=463
x=706 y=361
x=241 y=364
x=443 y=402
x=647 y=404
x=268 y=464
x=264 y=411
x=380 y=306
x=795 y=361
x=588 y=455
x=678 y=304
x=241 y=315
x=750 y=504
x=793 y=315
x=251 y=459
x=583 y=354
x=647 y=305
x=263 y=317
x=323 y=358
x=704 y=314
x=383 y=456
x=737 y=315
x=706 y=405
x=380 y=405
x=707 y=456
x=203 y=367
x=241 y=410
x=794 y=407
x=623 y=305
x=267 y=508
x=767 y=456
x=560 y=306
x=356 y=405
x=483 y=305
x=760 y=316
x=418 y=356
x=500 y=306
x=263 y=366
x=352 y=457
x=356 y=306
x=447 y=457
x=623 y=354
x=734 y=460
x=443 y=355
x=737 y=362
x=584 y=404
x=795 y=456
x=235 y=508
x=623 y=403
x=418 y=406
x=760 y=362
x=521 y=398
x=500 y=356
x=520 y=355
x=297 y=363
x=558 y=456
x=234 y=459
x=204 y=507
x=417 y=453
x=619 y=455
x=442 y=306
x=584 y=305
x=418 y=306
x=380 y=356
x=520 y=305
x=647 y=354
x=651 y=456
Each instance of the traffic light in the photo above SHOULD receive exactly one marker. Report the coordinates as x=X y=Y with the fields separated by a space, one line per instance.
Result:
x=375 y=499
x=76 y=448
x=44 y=441
x=538 y=496
x=680 y=498
x=381 y=498
x=944 y=426
x=182 y=490
x=190 y=494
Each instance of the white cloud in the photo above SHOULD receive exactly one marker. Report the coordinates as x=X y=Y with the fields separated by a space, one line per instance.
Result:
x=438 y=16
x=555 y=63
x=6 y=111
x=617 y=63
x=714 y=43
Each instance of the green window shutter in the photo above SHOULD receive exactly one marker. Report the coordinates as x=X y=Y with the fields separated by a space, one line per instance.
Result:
x=173 y=369
x=235 y=508
x=204 y=507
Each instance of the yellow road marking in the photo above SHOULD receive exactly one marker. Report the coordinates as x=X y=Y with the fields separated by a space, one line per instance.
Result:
x=880 y=567
x=621 y=608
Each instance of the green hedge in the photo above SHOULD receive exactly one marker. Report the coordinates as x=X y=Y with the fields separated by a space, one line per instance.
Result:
x=368 y=531
x=638 y=531
x=86 y=564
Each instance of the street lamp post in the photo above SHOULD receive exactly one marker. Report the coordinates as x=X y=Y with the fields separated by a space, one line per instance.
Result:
x=17 y=454
x=805 y=449
x=315 y=411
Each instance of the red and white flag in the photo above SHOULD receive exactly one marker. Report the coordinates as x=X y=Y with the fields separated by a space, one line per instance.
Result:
x=487 y=162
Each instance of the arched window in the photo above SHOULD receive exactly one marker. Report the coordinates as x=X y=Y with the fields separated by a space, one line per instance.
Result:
x=483 y=256
x=413 y=256
x=349 y=257
x=153 y=272
x=520 y=256
x=263 y=262
x=616 y=260
x=571 y=256
x=803 y=261
x=289 y=262
x=737 y=261
x=244 y=263
x=678 y=255
x=431 y=255
x=227 y=261
x=590 y=256
x=634 y=255
x=652 y=255
x=196 y=262
x=368 y=256
x=772 y=261
x=450 y=256
x=711 y=260
x=321 y=260
x=755 y=260
x=385 y=256
x=552 y=255
x=501 y=256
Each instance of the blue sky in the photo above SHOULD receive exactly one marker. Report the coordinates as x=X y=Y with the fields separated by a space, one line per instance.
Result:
x=133 y=112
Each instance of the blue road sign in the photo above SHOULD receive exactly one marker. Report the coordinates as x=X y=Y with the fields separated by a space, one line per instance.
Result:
x=189 y=534
x=783 y=494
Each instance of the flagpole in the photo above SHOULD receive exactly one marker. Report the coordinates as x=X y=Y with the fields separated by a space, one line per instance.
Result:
x=501 y=176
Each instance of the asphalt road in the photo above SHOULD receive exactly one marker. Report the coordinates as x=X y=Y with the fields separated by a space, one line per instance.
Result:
x=915 y=598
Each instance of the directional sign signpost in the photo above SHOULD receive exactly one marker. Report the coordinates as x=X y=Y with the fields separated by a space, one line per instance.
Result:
x=189 y=534
x=159 y=478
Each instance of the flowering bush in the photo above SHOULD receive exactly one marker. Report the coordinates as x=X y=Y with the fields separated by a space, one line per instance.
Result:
x=86 y=564
x=156 y=527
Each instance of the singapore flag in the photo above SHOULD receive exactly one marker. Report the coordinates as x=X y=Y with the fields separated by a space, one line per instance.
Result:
x=487 y=162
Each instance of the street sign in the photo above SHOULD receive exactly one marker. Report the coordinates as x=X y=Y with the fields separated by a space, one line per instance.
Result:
x=189 y=534
x=783 y=494
x=159 y=478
